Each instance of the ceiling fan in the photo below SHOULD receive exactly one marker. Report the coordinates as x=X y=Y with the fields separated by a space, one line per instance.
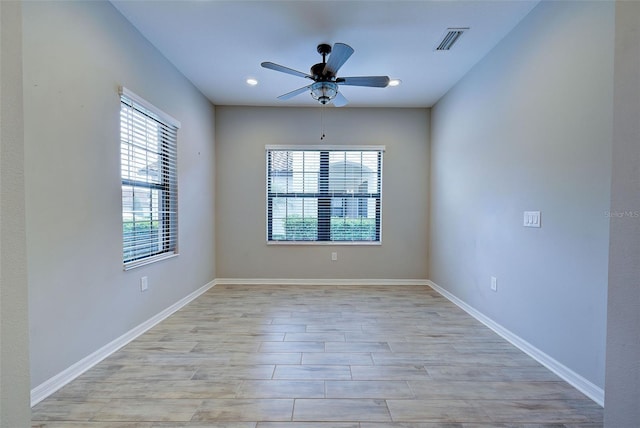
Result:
x=325 y=86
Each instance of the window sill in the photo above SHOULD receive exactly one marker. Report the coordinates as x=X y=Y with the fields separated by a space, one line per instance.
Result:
x=149 y=260
x=332 y=243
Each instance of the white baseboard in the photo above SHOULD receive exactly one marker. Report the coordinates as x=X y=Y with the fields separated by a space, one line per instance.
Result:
x=300 y=281
x=53 y=384
x=588 y=388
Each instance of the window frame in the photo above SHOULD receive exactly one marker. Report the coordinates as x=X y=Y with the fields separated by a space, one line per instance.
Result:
x=166 y=185
x=324 y=195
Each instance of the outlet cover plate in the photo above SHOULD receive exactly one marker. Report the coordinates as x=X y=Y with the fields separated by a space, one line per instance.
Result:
x=531 y=219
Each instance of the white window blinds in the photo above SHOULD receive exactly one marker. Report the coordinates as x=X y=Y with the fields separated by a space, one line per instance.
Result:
x=324 y=194
x=148 y=158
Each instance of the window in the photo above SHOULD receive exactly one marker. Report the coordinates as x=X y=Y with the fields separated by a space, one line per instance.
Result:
x=324 y=194
x=148 y=159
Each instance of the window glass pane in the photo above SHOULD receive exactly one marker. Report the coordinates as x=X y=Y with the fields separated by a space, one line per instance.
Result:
x=311 y=161
x=282 y=162
x=278 y=217
x=142 y=225
x=294 y=219
x=353 y=219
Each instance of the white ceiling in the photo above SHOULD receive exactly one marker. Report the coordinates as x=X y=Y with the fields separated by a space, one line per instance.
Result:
x=219 y=44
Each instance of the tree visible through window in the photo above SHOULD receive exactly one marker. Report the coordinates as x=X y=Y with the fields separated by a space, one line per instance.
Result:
x=148 y=159
x=322 y=194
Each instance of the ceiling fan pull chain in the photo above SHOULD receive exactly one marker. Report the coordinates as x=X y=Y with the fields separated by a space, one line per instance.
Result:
x=321 y=122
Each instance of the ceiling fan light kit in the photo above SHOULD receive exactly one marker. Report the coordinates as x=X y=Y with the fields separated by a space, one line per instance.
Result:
x=324 y=91
x=325 y=88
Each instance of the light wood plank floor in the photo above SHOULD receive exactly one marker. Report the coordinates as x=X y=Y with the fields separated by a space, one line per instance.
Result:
x=318 y=357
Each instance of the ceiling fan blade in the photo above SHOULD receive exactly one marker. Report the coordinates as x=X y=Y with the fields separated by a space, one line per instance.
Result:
x=340 y=100
x=371 y=81
x=292 y=94
x=340 y=53
x=283 y=69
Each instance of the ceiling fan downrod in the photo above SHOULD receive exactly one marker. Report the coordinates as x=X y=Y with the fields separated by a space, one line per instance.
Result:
x=318 y=71
x=324 y=50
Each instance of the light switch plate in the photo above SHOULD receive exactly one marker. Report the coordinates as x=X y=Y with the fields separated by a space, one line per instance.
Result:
x=532 y=219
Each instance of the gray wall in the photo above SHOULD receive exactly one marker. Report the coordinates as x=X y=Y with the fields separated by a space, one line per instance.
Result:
x=622 y=405
x=76 y=54
x=14 y=327
x=529 y=128
x=241 y=136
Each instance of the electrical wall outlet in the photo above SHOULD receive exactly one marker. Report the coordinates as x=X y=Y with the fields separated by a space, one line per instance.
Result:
x=494 y=284
x=531 y=219
x=334 y=256
x=144 y=283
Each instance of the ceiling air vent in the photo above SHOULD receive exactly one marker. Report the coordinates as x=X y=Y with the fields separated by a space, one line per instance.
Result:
x=450 y=37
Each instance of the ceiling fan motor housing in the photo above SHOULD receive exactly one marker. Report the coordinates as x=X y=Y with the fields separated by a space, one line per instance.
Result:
x=317 y=71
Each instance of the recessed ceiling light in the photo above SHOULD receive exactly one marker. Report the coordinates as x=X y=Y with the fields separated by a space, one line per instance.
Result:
x=251 y=81
x=394 y=82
